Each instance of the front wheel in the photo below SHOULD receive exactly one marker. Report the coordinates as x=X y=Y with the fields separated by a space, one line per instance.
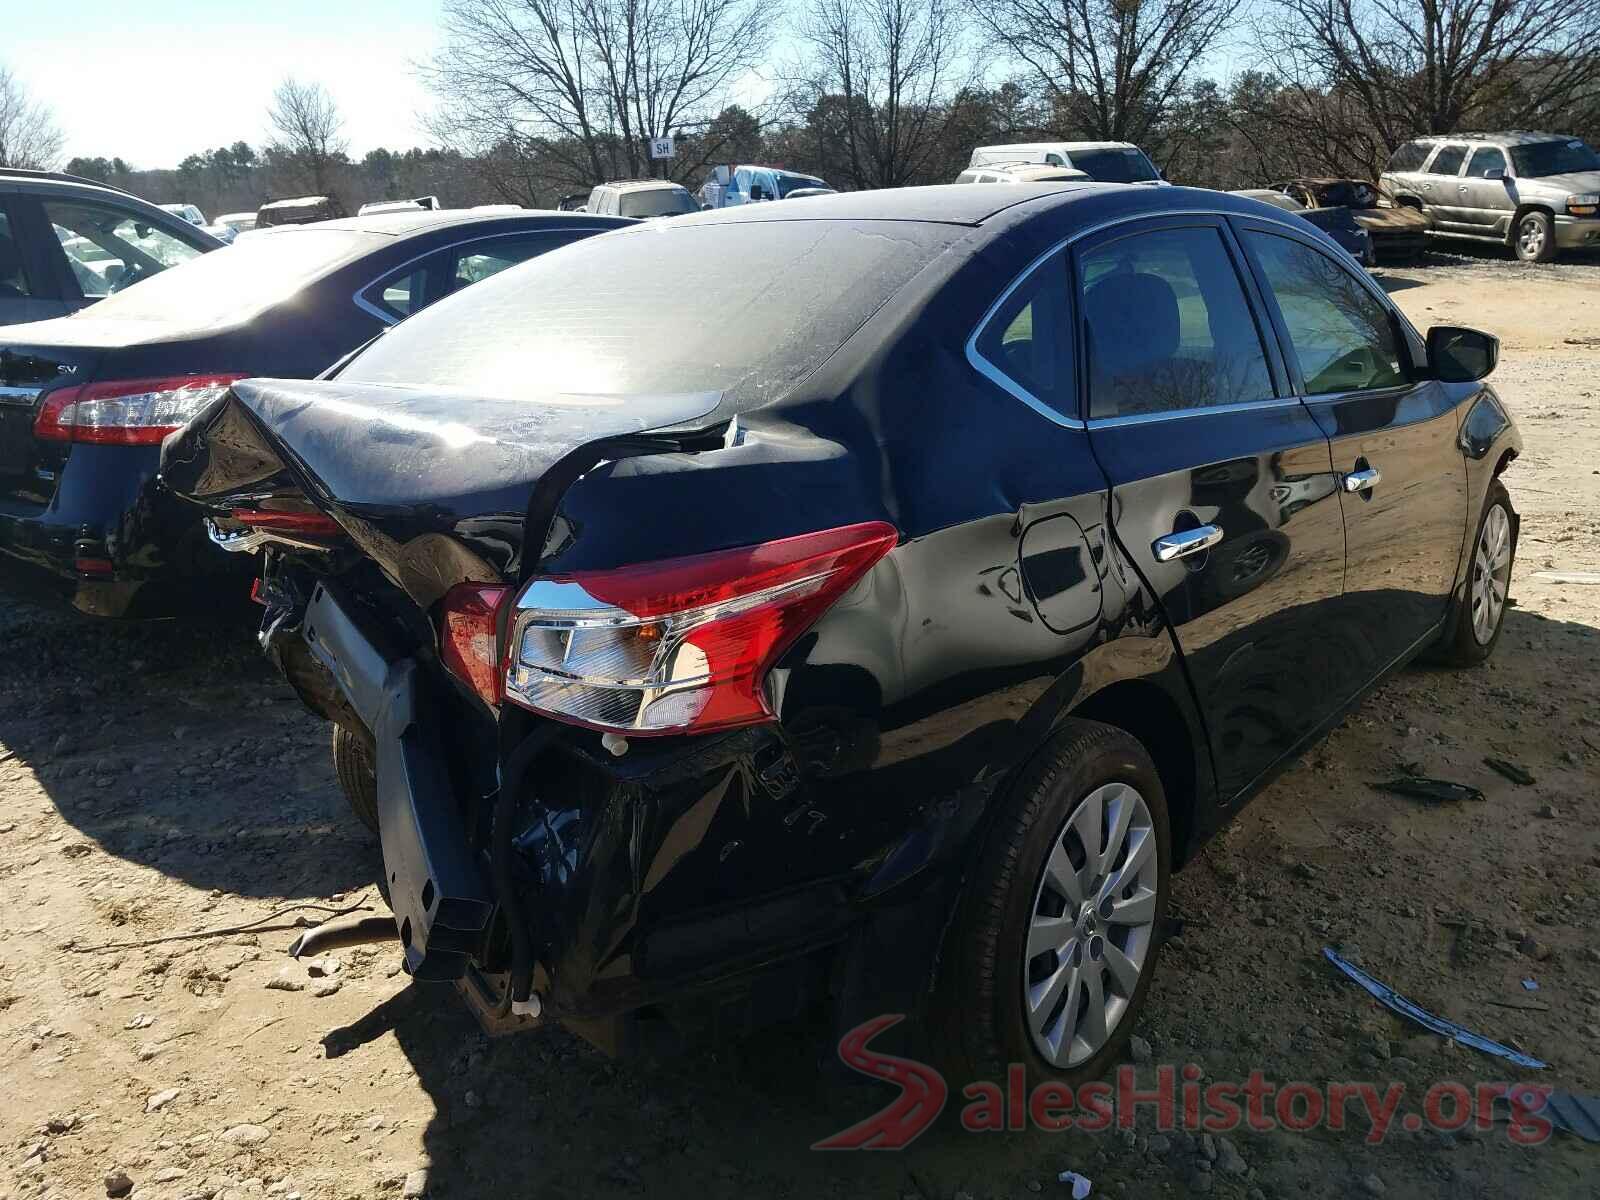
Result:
x=1056 y=937
x=1482 y=617
x=1535 y=238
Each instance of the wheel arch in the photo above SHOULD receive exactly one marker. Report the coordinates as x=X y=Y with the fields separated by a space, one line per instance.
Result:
x=1523 y=209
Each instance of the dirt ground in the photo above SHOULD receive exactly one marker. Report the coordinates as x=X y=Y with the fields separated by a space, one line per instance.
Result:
x=151 y=787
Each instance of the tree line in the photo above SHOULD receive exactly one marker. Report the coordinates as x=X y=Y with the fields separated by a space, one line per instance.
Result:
x=537 y=99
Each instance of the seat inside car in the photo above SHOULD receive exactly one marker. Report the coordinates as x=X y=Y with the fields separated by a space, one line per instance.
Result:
x=10 y=269
x=1143 y=310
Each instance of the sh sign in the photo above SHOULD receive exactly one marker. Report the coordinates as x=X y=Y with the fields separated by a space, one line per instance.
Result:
x=661 y=147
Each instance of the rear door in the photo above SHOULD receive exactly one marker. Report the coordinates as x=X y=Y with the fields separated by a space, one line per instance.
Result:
x=1394 y=443
x=1222 y=491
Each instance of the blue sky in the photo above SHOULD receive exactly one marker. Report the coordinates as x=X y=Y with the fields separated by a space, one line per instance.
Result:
x=158 y=79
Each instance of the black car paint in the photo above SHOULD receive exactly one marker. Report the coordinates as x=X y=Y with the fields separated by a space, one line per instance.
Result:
x=1022 y=593
x=61 y=501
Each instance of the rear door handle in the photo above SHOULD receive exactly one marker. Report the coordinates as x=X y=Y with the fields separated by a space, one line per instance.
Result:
x=1183 y=542
x=1360 y=481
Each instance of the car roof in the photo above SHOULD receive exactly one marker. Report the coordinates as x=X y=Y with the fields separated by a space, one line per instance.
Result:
x=946 y=203
x=27 y=175
x=1069 y=147
x=403 y=224
x=1508 y=137
x=643 y=185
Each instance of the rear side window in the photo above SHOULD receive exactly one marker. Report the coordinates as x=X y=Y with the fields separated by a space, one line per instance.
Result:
x=611 y=316
x=1486 y=159
x=1410 y=157
x=1028 y=340
x=1342 y=336
x=13 y=280
x=471 y=264
x=1448 y=161
x=1167 y=325
x=108 y=249
x=400 y=295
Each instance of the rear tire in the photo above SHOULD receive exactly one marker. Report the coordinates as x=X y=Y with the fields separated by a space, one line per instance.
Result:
x=994 y=1002
x=358 y=778
x=1482 y=614
x=1535 y=237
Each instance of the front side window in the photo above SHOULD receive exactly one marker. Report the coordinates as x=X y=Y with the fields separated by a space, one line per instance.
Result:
x=1029 y=338
x=1342 y=336
x=1486 y=159
x=1448 y=161
x=13 y=282
x=108 y=249
x=1167 y=325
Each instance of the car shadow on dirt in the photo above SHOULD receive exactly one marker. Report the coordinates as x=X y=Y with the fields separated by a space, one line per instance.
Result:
x=178 y=748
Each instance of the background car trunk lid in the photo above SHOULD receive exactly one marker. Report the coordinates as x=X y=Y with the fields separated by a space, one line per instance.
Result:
x=27 y=370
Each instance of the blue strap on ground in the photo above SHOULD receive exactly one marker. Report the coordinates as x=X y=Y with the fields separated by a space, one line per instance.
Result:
x=1393 y=999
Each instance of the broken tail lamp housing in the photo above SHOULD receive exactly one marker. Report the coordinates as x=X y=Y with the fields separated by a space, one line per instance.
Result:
x=127 y=412
x=683 y=645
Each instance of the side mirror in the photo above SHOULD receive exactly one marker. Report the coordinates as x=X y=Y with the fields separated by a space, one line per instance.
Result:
x=1495 y=173
x=1458 y=355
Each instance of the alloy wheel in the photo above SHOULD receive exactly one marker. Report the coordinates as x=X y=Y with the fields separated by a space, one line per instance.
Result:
x=1491 y=574
x=1093 y=925
x=1531 y=237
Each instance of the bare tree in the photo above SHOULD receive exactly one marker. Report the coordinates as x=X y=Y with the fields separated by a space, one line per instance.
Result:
x=883 y=74
x=308 y=126
x=581 y=86
x=1370 y=74
x=1111 y=69
x=29 y=136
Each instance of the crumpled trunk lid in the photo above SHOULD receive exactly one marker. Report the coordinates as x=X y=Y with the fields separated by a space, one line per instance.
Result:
x=393 y=464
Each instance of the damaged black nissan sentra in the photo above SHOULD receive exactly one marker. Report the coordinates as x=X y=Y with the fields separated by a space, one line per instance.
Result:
x=869 y=599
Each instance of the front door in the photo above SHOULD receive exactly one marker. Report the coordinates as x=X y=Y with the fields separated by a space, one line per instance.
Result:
x=1440 y=188
x=1487 y=199
x=1222 y=491
x=1394 y=443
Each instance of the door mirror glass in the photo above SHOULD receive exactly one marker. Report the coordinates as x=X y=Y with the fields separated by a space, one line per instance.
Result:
x=1495 y=173
x=1457 y=355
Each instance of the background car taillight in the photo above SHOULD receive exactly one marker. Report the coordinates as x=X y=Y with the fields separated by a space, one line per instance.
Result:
x=126 y=412
x=469 y=637
x=683 y=645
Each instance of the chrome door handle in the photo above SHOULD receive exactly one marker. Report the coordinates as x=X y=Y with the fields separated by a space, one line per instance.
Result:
x=1184 y=542
x=1360 y=481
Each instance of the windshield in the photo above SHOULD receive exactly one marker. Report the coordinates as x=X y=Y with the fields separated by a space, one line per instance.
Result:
x=657 y=202
x=1125 y=165
x=1554 y=158
x=663 y=308
x=237 y=282
x=792 y=183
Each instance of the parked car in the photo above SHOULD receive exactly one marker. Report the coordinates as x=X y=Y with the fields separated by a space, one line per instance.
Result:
x=802 y=193
x=187 y=212
x=1021 y=173
x=299 y=210
x=229 y=226
x=731 y=185
x=428 y=203
x=1538 y=193
x=864 y=646
x=86 y=400
x=641 y=198
x=1337 y=222
x=66 y=242
x=1397 y=231
x=1108 y=162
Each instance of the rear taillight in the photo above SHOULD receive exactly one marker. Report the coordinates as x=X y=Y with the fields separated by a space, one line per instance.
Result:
x=276 y=521
x=126 y=412
x=468 y=637
x=682 y=645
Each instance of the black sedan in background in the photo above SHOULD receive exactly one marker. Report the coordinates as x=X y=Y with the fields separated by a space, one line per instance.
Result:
x=893 y=642
x=85 y=400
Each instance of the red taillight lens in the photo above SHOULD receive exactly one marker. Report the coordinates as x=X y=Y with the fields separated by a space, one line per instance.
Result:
x=683 y=645
x=468 y=637
x=126 y=412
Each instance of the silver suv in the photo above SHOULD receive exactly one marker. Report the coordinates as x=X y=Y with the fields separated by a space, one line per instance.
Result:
x=1535 y=192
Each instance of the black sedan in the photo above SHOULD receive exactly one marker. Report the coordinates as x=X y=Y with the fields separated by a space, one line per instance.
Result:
x=893 y=642
x=85 y=400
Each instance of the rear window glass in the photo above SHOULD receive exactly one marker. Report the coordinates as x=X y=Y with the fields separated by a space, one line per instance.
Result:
x=1114 y=165
x=657 y=202
x=1410 y=157
x=748 y=308
x=238 y=280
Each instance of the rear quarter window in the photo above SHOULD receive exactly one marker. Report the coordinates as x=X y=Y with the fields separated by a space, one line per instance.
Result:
x=1409 y=157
